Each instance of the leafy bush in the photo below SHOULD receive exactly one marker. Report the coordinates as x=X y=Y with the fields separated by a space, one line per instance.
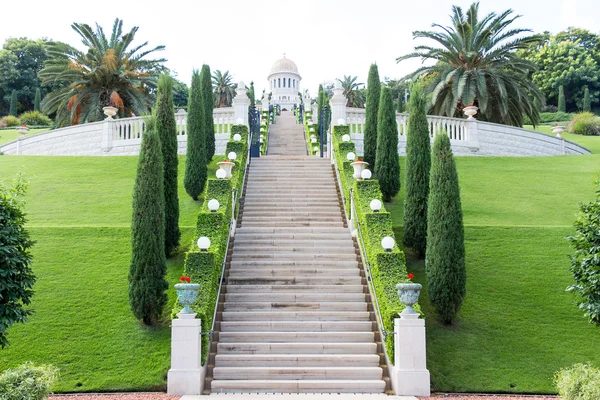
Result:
x=550 y=117
x=9 y=121
x=585 y=123
x=578 y=382
x=34 y=118
x=27 y=382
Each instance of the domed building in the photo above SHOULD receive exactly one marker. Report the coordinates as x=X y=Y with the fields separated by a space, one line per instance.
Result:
x=284 y=81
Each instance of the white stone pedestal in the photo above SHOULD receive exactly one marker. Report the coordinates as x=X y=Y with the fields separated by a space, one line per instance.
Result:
x=410 y=374
x=186 y=376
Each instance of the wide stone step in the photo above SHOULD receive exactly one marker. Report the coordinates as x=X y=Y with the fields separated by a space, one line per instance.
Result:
x=296 y=297
x=231 y=288
x=292 y=224
x=292 y=326
x=290 y=218
x=296 y=315
x=297 y=360
x=325 y=195
x=300 y=230
x=253 y=241
x=298 y=386
x=294 y=213
x=285 y=191
x=297 y=348
x=241 y=373
x=296 y=337
x=261 y=271
x=295 y=306
x=240 y=249
x=283 y=255
x=295 y=234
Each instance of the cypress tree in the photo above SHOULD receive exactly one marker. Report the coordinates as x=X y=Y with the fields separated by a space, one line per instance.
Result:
x=445 y=257
x=208 y=104
x=13 y=104
x=562 y=107
x=418 y=163
x=167 y=132
x=37 y=100
x=373 y=93
x=587 y=106
x=320 y=101
x=195 y=161
x=148 y=267
x=387 y=165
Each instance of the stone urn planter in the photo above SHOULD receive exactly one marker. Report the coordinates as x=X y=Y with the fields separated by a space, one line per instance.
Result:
x=23 y=130
x=409 y=294
x=557 y=130
x=470 y=111
x=227 y=166
x=359 y=166
x=109 y=111
x=186 y=294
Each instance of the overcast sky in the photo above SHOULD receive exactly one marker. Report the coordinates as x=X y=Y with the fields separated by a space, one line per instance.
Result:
x=326 y=39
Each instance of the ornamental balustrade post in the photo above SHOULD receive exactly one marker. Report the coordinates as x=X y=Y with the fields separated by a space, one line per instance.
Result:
x=241 y=102
x=471 y=126
x=338 y=105
x=108 y=128
x=410 y=374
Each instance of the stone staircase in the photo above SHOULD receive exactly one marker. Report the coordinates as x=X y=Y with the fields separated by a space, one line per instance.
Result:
x=295 y=314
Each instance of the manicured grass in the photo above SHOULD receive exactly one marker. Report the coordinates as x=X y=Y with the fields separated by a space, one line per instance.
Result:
x=8 y=135
x=517 y=326
x=592 y=143
x=79 y=211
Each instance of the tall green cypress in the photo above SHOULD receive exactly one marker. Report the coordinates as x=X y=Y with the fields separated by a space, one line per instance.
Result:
x=418 y=163
x=387 y=164
x=195 y=161
x=587 y=105
x=167 y=132
x=562 y=106
x=13 y=103
x=37 y=100
x=208 y=104
x=319 y=103
x=445 y=257
x=148 y=266
x=373 y=94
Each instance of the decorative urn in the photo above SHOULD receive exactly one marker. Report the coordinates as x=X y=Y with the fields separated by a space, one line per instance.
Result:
x=109 y=111
x=409 y=295
x=186 y=294
x=227 y=166
x=23 y=129
x=470 y=111
x=557 y=130
x=359 y=166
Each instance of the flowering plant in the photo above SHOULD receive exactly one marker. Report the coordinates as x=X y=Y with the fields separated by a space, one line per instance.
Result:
x=225 y=160
x=470 y=105
x=25 y=125
x=360 y=159
x=185 y=279
x=410 y=276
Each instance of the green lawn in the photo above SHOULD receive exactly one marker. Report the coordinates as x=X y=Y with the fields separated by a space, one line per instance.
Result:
x=79 y=212
x=8 y=135
x=517 y=326
x=591 y=143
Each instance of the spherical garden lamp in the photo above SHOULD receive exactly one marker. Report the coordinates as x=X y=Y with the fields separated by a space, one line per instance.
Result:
x=213 y=205
x=232 y=156
x=350 y=156
x=375 y=207
x=366 y=174
x=346 y=138
x=221 y=173
x=203 y=243
x=388 y=243
x=237 y=137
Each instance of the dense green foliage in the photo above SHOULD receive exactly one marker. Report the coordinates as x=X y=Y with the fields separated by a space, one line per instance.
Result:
x=107 y=72
x=562 y=107
x=208 y=104
x=578 y=382
x=37 y=100
x=354 y=96
x=372 y=109
x=34 y=118
x=224 y=88
x=387 y=166
x=445 y=257
x=418 y=164
x=585 y=263
x=16 y=275
x=477 y=63
x=9 y=121
x=587 y=105
x=195 y=162
x=28 y=382
x=585 y=123
x=167 y=132
x=181 y=94
x=13 y=104
x=148 y=267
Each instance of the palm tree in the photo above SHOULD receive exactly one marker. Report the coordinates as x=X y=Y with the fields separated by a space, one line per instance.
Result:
x=107 y=73
x=351 y=91
x=476 y=63
x=224 y=88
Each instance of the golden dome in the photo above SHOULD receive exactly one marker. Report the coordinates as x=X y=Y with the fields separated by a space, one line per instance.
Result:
x=284 y=65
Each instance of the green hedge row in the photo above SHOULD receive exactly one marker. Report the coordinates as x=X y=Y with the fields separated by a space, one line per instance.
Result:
x=307 y=136
x=388 y=269
x=205 y=267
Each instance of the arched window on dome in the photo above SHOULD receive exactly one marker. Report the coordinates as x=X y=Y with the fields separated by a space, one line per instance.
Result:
x=289 y=82
x=283 y=82
x=294 y=83
x=279 y=82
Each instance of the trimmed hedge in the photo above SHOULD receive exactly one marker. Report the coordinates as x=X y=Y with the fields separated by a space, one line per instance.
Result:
x=308 y=134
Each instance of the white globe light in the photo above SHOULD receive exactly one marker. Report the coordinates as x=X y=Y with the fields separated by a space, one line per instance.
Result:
x=365 y=174
x=341 y=121
x=375 y=205
x=221 y=173
x=237 y=137
x=232 y=156
x=203 y=243
x=388 y=243
x=239 y=121
x=213 y=205
x=312 y=129
x=315 y=148
x=350 y=156
x=346 y=138
x=313 y=140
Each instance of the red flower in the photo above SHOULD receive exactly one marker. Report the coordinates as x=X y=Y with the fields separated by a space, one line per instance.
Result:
x=410 y=276
x=359 y=158
x=470 y=105
x=185 y=279
x=25 y=125
x=557 y=124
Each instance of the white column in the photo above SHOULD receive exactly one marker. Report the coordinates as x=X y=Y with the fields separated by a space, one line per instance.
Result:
x=186 y=376
x=241 y=102
x=338 y=104
x=472 y=134
x=107 y=134
x=410 y=374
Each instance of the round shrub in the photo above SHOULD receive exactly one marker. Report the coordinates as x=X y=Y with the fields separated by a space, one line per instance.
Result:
x=578 y=382
x=9 y=121
x=34 y=118
x=585 y=123
x=27 y=382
